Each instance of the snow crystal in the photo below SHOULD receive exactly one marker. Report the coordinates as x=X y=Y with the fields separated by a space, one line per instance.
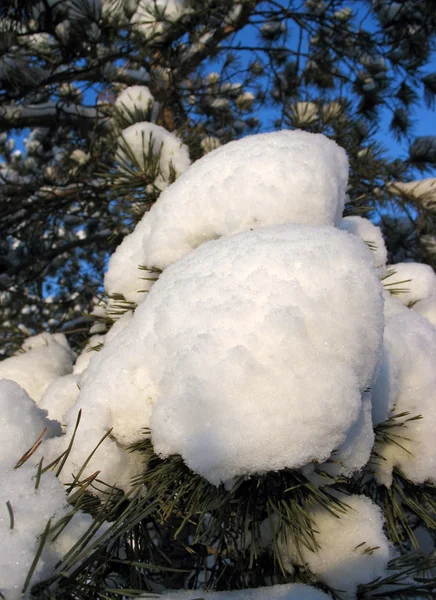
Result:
x=237 y=321
x=410 y=346
x=427 y=308
x=136 y=139
x=290 y=591
x=45 y=357
x=134 y=98
x=266 y=179
x=341 y=561
x=413 y=281
x=372 y=235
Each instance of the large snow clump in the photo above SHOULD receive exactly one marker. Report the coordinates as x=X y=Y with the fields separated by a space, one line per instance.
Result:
x=261 y=180
x=219 y=358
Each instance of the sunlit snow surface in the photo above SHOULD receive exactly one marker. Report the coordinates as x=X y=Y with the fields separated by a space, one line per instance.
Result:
x=261 y=180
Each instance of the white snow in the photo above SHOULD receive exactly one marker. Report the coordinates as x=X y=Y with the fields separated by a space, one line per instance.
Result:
x=261 y=180
x=21 y=424
x=87 y=353
x=341 y=561
x=237 y=321
x=352 y=455
x=372 y=235
x=44 y=357
x=410 y=377
x=291 y=591
x=60 y=396
x=427 y=308
x=134 y=98
x=416 y=281
x=137 y=139
x=152 y=17
x=32 y=509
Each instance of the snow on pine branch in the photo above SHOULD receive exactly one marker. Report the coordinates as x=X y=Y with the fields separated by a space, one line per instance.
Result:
x=270 y=335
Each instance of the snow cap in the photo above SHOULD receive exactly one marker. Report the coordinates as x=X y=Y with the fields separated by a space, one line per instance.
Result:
x=222 y=352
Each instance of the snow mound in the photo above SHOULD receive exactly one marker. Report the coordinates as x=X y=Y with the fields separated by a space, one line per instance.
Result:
x=341 y=561
x=292 y=591
x=44 y=357
x=135 y=141
x=372 y=235
x=409 y=374
x=222 y=350
x=415 y=281
x=135 y=98
x=261 y=180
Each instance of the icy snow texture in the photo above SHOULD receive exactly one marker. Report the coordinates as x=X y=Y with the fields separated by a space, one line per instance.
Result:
x=152 y=17
x=45 y=357
x=410 y=376
x=372 y=235
x=137 y=138
x=416 y=280
x=134 y=98
x=261 y=180
x=339 y=562
x=427 y=308
x=292 y=591
x=225 y=345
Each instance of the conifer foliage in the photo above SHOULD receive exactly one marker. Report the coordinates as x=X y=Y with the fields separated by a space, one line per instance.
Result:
x=218 y=376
